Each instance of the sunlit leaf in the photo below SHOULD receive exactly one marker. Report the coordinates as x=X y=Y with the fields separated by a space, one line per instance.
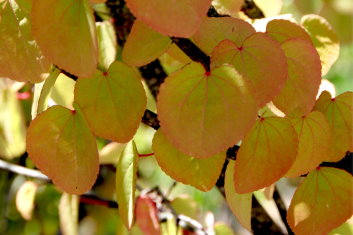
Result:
x=314 y=135
x=173 y=18
x=66 y=34
x=213 y=30
x=63 y=91
x=282 y=30
x=240 y=204
x=227 y=7
x=324 y=38
x=126 y=171
x=259 y=59
x=113 y=102
x=304 y=78
x=147 y=216
x=322 y=202
x=20 y=57
x=144 y=45
x=200 y=173
x=202 y=114
x=269 y=7
x=107 y=43
x=265 y=155
x=60 y=144
x=339 y=113
x=110 y=153
x=25 y=199
x=68 y=214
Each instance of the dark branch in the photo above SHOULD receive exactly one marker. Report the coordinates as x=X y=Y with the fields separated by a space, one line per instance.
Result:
x=213 y=13
x=282 y=210
x=154 y=75
x=252 y=10
x=150 y=119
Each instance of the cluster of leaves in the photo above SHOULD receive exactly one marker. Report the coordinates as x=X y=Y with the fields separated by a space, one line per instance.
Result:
x=253 y=83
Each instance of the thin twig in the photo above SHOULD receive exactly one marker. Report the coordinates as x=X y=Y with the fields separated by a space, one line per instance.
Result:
x=23 y=171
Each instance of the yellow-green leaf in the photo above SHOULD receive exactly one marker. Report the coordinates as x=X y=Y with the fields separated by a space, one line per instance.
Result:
x=61 y=145
x=314 y=135
x=265 y=155
x=228 y=7
x=68 y=214
x=107 y=43
x=269 y=7
x=65 y=32
x=322 y=202
x=200 y=173
x=126 y=171
x=113 y=102
x=25 y=199
x=339 y=113
x=203 y=113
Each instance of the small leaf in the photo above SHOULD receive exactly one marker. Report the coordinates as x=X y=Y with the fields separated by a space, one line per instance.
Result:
x=202 y=114
x=240 y=204
x=107 y=43
x=223 y=229
x=185 y=205
x=339 y=113
x=144 y=45
x=322 y=202
x=25 y=199
x=110 y=153
x=269 y=8
x=113 y=102
x=147 y=216
x=200 y=173
x=68 y=214
x=126 y=171
x=63 y=91
x=265 y=155
x=228 y=7
x=61 y=145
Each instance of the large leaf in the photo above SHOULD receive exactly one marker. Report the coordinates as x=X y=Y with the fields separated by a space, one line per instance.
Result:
x=65 y=31
x=20 y=57
x=324 y=38
x=258 y=58
x=339 y=113
x=113 y=102
x=173 y=18
x=314 y=135
x=240 y=204
x=322 y=202
x=144 y=45
x=265 y=155
x=200 y=173
x=147 y=216
x=60 y=144
x=202 y=114
x=126 y=171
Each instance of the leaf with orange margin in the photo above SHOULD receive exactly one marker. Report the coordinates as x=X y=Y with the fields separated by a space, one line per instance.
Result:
x=265 y=155
x=66 y=33
x=20 y=57
x=240 y=204
x=144 y=45
x=113 y=102
x=213 y=30
x=298 y=95
x=203 y=113
x=339 y=113
x=173 y=18
x=147 y=216
x=322 y=202
x=200 y=173
x=314 y=135
x=61 y=145
x=260 y=59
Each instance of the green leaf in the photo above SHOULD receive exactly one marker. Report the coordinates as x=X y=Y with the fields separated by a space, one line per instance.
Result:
x=63 y=91
x=223 y=229
x=322 y=202
x=66 y=34
x=20 y=57
x=113 y=102
x=265 y=155
x=228 y=7
x=200 y=173
x=107 y=43
x=202 y=114
x=144 y=45
x=68 y=214
x=126 y=171
x=61 y=145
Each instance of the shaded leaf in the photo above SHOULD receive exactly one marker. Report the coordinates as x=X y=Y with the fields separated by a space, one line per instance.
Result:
x=107 y=43
x=185 y=205
x=25 y=199
x=68 y=214
x=147 y=216
x=110 y=153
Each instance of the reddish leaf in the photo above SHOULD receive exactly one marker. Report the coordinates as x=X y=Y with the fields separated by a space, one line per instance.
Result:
x=147 y=216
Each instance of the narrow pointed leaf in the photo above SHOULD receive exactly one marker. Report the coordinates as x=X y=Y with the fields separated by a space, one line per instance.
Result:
x=322 y=202
x=266 y=154
x=68 y=214
x=107 y=43
x=113 y=102
x=282 y=30
x=200 y=173
x=61 y=145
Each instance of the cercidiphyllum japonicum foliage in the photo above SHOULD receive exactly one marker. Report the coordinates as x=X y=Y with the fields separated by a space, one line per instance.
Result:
x=202 y=113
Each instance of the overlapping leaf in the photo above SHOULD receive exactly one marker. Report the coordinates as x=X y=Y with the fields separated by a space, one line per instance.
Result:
x=314 y=135
x=113 y=102
x=173 y=18
x=258 y=58
x=202 y=114
x=227 y=7
x=266 y=154
x=322 y=202
x=66 y=34
x=282 y=30
x=200 y=173
x=61 y=145
x=269 y=7
x=68 y=214
x=147 y=216
x=339 y=113
x=107 y=43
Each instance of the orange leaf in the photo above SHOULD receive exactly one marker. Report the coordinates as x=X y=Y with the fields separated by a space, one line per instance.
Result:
x=147 y=216
x=265 y=155
x=322 y=202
